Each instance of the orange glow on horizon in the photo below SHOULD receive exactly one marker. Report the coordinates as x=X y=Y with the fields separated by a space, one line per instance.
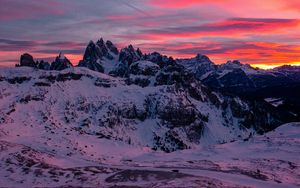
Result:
x=271 y=66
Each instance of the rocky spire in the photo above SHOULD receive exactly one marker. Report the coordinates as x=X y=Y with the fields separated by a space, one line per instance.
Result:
x=112 y=47
x=92 y=53
x=139 y=52
x=60 y=63
x=129 y=55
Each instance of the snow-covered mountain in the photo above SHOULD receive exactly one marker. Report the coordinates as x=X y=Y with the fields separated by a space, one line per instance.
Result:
x=233 y=77
x=234 y=74
x=97 y=123
x=142 y=99
x=155 y=108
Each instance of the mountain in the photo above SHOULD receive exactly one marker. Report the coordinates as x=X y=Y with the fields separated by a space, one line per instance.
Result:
x=61 y=63
x=161 y=108
x=99 y=55
x=124 y=118
x=279 y=84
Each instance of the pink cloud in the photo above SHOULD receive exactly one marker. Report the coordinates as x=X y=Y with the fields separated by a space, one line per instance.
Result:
x=180 y=3
x=16 y=10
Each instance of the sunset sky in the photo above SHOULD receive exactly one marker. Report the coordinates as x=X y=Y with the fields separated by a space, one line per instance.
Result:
x=264 y=33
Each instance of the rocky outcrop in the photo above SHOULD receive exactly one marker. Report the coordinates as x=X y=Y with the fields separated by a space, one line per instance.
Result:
x=146 y=68
x=27 y=61
x=159 y=59
x=60 y=63
x=96 y=53
x=103 y=50
x=127 y=57
x=44 y=65
x=112 y=47
x=199 y=65
x=95 y=66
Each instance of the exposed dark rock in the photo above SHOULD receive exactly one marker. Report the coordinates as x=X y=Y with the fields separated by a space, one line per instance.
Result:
x=96 y=53
x=159 y=59
x=146 y=68
x=121 y=70
x=18 y=80
x=62 y=77
x=92 y=53
x=129 y=55
x=42 y=84
x=27 y=60
x=43 y=65
x=103 y=49
x=140 y=81
x=170 y=142
x=95 y=66
x=60 y=63
x=112 y=47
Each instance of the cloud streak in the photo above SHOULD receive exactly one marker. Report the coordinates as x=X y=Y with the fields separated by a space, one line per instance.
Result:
x=255 y=31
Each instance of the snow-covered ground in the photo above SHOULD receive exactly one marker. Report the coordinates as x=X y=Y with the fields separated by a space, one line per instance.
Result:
x=81 y=128
x=270 y=160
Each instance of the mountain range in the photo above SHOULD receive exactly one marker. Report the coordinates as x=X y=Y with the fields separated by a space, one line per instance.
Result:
x=279 y=87
x=136 y=103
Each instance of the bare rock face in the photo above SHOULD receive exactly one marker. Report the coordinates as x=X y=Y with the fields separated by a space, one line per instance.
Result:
x=112 y=47
x=159 y=59
x=98 y=52
x=130 y=55
x=146 y=68
x=60 y=63
x=127 y=57
x=27 y=60
x=104 y=52
x=93 y=66
x=44 y=65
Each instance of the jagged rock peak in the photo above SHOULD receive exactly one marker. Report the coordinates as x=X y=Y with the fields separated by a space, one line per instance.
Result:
x=112 y=47
x=61 y=62
x=61 y=56
x=130 y=47
x=91 y=52
x=91 y=43
x=101 y=43
x=130 y=55
x=235 y=64
x=203 y=59
x=139 y=52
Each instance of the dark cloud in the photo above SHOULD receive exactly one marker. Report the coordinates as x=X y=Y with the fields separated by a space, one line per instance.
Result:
x=57 y=51
x=19 y=45
x=12 y=45
x=234 y=24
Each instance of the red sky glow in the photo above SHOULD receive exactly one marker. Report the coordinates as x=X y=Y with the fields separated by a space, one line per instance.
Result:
x=264 y=34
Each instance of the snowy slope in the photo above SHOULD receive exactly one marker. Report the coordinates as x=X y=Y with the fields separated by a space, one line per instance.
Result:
x=73 y=159
x=96 y=104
